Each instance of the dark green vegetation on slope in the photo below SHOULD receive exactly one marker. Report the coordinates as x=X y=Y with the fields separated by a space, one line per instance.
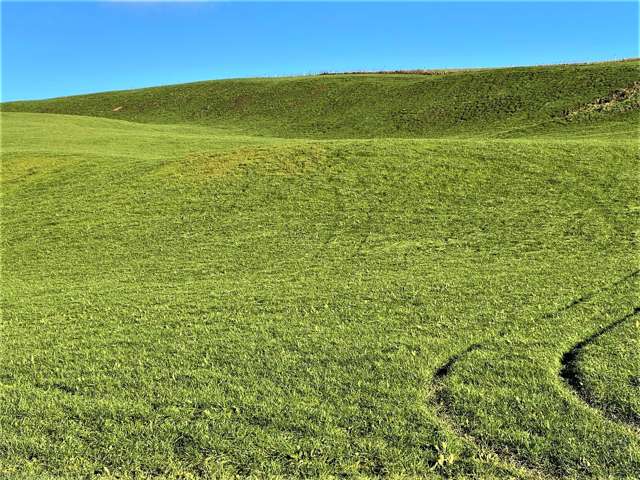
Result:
x=184 y=301
x=391 y=105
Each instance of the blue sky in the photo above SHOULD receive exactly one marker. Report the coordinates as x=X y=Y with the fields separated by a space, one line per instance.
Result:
x=53 y=49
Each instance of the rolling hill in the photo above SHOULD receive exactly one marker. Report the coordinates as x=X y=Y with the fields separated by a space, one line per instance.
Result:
x=486 y=102
x=353 y=276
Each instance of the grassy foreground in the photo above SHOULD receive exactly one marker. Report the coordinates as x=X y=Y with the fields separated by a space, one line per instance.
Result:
x=194 y=301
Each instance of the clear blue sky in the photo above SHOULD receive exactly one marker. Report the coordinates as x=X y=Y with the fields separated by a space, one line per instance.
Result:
x=53 y=49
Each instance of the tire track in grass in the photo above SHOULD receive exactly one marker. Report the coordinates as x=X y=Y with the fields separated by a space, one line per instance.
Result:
x=502 y=446
x=588 y=296
x=445 y=369
x=509 y=463
x=570 y=371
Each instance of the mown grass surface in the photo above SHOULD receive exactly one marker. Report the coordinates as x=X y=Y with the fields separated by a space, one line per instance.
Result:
x=182 y=301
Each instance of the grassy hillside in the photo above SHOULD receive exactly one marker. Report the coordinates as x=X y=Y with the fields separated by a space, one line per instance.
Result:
x=191 y=301
x=391 y=105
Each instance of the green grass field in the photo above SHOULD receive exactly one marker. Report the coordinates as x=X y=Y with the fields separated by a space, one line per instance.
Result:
x=358 y=276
